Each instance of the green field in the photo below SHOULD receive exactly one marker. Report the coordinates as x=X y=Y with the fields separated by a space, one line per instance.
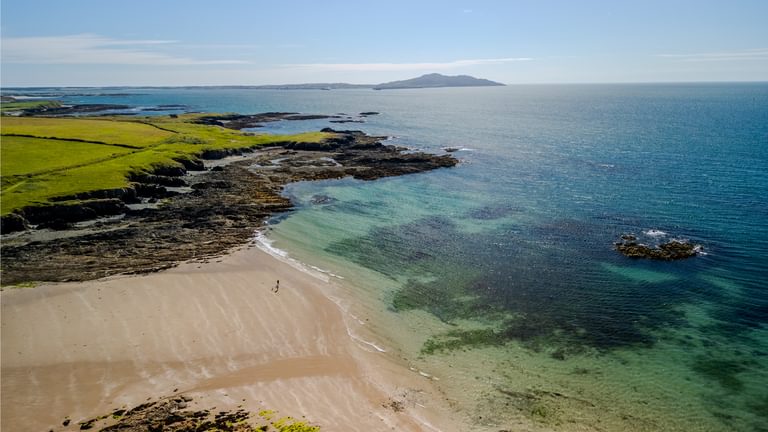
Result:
x=45 y=155
x=18 y=106
x=106 y=131
x=46 y=163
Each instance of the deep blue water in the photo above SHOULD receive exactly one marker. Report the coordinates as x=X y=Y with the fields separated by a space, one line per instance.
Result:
x=520 y=235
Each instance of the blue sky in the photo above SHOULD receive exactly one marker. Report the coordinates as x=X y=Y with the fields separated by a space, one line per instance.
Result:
x=193 y=42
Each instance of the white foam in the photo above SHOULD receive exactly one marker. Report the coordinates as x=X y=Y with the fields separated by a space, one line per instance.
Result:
x=365 y=342
x=654 y=233
x=265 y=245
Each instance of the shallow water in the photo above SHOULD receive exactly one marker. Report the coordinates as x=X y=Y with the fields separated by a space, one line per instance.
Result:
x=500 y=273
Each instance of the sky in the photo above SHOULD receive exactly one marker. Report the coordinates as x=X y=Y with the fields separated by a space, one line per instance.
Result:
x=253 y=42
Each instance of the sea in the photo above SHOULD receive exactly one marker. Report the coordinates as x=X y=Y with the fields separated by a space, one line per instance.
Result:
x=498 y=279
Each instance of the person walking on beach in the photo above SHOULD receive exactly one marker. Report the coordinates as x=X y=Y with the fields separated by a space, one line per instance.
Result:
x=277 y=287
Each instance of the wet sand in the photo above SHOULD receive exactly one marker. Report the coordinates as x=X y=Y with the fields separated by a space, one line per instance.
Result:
x=214 y=331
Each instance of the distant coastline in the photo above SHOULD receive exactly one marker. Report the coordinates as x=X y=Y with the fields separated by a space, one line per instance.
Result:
x=433 y=80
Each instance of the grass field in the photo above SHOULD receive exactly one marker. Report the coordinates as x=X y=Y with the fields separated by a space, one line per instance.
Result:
x=22 y=105
x=44 y=155
x=107 y=131
x=46 y=163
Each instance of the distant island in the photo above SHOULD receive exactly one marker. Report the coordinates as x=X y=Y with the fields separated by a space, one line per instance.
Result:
x=425 y=81
x=438 y=80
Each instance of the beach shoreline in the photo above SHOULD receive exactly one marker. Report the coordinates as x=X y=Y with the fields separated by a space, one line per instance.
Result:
x=214 y=331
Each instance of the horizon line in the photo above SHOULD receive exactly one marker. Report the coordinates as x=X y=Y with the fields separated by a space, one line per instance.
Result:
x=255 y=86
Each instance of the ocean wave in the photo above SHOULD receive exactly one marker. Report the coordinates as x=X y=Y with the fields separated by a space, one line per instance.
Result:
x=362 y=341
x=265 y=244
x=655 y=233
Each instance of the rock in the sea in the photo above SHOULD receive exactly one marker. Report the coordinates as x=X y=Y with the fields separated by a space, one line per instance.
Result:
x=322 y=199
x=672 y=250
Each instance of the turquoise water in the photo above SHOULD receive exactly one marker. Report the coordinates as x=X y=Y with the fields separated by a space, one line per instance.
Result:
x=504 y=267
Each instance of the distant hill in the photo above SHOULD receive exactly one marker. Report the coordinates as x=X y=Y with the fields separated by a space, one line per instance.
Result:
x=437 y=80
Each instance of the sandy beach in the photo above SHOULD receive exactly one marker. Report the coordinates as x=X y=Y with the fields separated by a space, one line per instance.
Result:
x=214 y=331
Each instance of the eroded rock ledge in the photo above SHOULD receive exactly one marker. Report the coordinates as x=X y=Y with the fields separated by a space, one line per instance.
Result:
x=221 y=209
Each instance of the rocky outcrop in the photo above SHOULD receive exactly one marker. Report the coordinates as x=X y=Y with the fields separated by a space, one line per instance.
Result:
x=161 y=180
x=71 y=109
x=222 y=210
x=80 y=211
x=178 y=414
x=668 y=251
x=12 y=223
x=244 y=121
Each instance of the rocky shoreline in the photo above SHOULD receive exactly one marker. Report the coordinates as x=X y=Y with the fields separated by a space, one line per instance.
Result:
x=187 y=213
x=175 y=414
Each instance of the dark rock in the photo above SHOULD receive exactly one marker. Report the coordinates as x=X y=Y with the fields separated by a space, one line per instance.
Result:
x=368 y=113
x=347 y=121
x=243 y=121
x=672 y=250
x=308 y=117
x=66 y=422
x=73 y=109
x=171 y=171
x=75 y=212
x=152 y=191
x=322 y=199
x=192 y=164
x=219 y=184
x=87 y=424
x=127 y=195
x=158 y=180
x=12 y=223
x=56 y=225
x=218 y=153
x=321 y=146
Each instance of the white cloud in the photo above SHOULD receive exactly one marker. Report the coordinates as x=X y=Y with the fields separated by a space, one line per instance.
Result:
x=94 y=49
x=388 y=67
x=749 y=54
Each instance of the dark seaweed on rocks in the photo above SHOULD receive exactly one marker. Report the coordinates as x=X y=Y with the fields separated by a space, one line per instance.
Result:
x=173 y=414
x=668 y=251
